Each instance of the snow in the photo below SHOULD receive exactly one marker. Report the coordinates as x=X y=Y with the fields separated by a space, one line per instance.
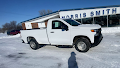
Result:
x=7 y=36
x=15 y=54
x=111 y=30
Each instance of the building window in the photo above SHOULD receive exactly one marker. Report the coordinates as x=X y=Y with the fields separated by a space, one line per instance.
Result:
x=102 y=20
x=87 y=20
x=79 y=20
x=114 y=20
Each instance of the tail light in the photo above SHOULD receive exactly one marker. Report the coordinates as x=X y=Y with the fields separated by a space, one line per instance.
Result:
x=20 y=34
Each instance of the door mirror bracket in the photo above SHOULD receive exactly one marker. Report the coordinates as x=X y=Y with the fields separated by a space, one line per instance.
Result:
x=64 y=27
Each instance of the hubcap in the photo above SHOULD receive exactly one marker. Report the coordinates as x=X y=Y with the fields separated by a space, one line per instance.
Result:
x=81 y=45
x=33 y=45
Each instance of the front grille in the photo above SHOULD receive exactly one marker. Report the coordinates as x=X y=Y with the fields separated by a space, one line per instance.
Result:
x=99 y=29
x=98 y=32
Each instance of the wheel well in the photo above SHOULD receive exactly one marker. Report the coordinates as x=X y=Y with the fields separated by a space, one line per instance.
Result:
x=77 y=37
x=29 y=38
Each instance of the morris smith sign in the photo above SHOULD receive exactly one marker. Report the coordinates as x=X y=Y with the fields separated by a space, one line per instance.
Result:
x=85 y=13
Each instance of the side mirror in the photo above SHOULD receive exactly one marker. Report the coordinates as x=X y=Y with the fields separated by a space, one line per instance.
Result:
x=64 y=27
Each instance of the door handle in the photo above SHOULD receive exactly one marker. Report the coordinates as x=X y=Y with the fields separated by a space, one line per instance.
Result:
x=51 y=32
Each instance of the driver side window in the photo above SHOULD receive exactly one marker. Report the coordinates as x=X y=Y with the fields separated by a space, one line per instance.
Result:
x=57 y=24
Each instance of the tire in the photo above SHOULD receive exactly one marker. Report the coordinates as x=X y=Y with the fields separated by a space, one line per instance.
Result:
x=33 y=44
x=82 y=44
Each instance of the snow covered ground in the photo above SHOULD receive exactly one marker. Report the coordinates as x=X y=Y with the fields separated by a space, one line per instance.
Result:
x=14 y=54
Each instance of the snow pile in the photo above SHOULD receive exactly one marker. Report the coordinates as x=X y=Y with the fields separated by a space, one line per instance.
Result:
x=7 y=36
x=111 y=30
x=1 y=33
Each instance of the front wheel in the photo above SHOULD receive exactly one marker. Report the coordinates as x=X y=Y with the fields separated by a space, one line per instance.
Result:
x=33 y=44
x=82 y=45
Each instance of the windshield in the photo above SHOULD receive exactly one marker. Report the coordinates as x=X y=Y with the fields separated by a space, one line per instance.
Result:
x=72 y=22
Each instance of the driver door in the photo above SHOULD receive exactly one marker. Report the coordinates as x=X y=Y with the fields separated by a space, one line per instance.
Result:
x=57 y=35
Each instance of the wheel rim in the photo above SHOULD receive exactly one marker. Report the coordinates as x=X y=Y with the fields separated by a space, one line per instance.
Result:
x=32 y=44
x=81 y=45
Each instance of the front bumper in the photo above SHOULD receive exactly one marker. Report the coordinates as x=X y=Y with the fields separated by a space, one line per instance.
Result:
x=97 y=39
x=23 y=41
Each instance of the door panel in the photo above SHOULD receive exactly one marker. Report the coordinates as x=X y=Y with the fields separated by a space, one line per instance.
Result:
x=57 y=36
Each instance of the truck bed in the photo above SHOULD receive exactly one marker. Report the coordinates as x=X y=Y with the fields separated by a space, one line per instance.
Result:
x=39 y=34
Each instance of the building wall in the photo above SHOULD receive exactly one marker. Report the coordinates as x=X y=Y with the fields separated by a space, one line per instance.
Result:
x=34 y=25
x=86 y=13
x=39 y=22
x=106 y=17
x=23 y=26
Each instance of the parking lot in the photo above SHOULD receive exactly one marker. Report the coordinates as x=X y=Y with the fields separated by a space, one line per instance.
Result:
x=14 y=54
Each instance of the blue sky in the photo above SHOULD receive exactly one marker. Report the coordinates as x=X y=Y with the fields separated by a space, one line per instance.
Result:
x=21 y=10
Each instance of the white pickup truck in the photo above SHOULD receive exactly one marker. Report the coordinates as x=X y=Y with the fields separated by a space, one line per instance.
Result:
x=64 y=32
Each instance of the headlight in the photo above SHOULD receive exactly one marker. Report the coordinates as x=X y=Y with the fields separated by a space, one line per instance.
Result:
x=94 y=30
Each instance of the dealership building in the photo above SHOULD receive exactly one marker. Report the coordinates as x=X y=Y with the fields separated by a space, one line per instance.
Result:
x=106 y=16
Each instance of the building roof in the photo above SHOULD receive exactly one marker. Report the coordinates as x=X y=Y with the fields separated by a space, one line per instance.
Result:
x=91 y=8
x=40 y=16
x=56 y=12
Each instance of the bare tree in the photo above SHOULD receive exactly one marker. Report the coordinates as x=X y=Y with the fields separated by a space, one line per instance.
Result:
x=19 y=26
x=0 y=30
x=11 y=26
x=5 y=27
x=44 y=12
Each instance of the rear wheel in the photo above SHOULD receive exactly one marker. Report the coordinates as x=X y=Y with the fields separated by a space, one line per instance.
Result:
x=82 y=45
x=33 y=44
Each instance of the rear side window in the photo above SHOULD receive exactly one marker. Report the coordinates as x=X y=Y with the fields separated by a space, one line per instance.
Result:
x=57 y=24
x=13 y=31
x=72 y=22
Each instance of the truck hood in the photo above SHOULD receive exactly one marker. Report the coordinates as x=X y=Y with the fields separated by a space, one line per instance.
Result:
x=90 y=26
